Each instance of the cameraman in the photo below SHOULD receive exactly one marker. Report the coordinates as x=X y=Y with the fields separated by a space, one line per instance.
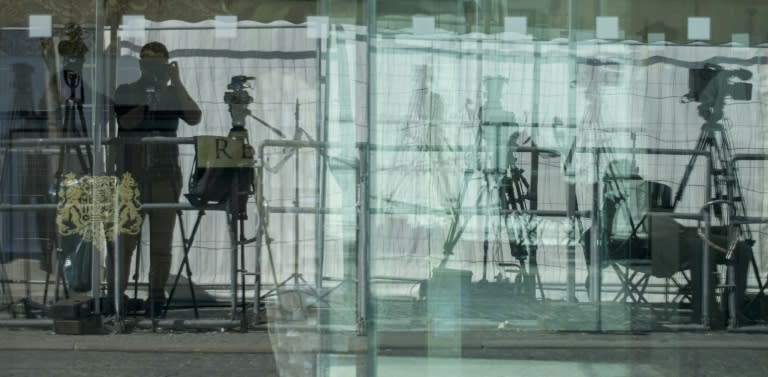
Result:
x=151 y=107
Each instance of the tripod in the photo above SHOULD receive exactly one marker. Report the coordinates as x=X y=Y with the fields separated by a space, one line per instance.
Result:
x=726 y=183
x=74 y=126
x=237 y=215
x=73 y=53
x=513 y=191
x=74 y=123
x=221 y=162
x=727 y=193
x=221 y=181
x=710 y=86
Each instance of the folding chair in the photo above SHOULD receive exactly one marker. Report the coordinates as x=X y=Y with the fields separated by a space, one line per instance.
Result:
x=640 y=241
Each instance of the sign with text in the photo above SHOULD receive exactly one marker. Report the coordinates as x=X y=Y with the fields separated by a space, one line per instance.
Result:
x=223 y=152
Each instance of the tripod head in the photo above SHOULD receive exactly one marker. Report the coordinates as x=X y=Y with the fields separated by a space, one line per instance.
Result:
x=73 y=52
x=238 y=100
x=712 y=84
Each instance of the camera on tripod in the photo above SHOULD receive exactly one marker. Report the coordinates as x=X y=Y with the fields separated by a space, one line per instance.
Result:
x=700 y=79
x=711 y=85
x=223 y=162
x=73 y=52
x=238 y=94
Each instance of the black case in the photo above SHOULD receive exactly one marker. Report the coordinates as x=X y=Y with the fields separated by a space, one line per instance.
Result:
x=71 y=309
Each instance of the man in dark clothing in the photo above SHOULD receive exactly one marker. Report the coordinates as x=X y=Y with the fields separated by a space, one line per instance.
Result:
x=151 y=107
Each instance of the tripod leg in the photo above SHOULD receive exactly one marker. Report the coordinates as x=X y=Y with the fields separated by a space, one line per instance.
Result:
x=756 y=271
x=485 y=247
x=69 y=129
x=6 y=298
x=65 y=286
x=733 y=177
x=485 y=260
x=187 y=244
x=59 y=175
x=5 y=289
x=530 y=232
x=190 y=285
x=72 y=127
x=68 y=117
x=232 y=215
x=516 y=234
x=60 y=280
x=84 y=133
x=136 y=271
x=527 y=249
x=539 y=282
x=529 y=235
x=723 y=174
x=242 y=265
x=63 y=152
x=45 y=288
x=83 y=162
x=534 y=270
x=701 y=144
x=268 y=243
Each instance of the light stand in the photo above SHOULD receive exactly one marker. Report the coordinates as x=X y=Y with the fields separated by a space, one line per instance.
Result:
x=293 y=147
x=296 y=276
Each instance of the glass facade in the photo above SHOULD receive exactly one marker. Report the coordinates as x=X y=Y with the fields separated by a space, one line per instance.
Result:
x=394 y=187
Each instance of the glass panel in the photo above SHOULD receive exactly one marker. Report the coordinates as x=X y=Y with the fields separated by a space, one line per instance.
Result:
x=52 y=114
x=440 y=187
x=559 y=167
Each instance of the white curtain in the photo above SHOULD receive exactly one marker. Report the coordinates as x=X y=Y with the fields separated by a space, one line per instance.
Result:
x=284 y=62
x=426 y=94
x=623 y=95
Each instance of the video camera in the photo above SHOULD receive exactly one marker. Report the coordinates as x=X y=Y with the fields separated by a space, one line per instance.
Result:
x=699 y=79
x=712 y=84
x=238 y=99
x=73 y=52
x=238 y=95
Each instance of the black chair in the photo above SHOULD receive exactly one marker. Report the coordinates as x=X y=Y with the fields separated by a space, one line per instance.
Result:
x=641 y=240
x=637 y=245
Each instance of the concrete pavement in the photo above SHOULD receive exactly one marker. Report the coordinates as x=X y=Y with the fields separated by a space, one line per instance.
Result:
x=347 y=342
x=303 y=351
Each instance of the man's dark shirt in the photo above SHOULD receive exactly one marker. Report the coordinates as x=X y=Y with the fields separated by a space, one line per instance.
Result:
x=160 y=119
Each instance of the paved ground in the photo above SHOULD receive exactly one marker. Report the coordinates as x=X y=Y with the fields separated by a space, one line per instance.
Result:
x=302 y=351
x=124 y=364
x=488 y=348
